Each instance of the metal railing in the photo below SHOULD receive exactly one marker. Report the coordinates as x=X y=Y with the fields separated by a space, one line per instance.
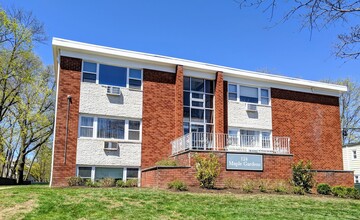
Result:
x=242 y=143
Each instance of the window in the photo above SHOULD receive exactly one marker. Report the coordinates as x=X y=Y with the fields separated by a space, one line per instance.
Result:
x=249 y=138
x=86 y=126
x=135 y=79
x=134 y=130
x=356 y=179
x=265 y=96
x=84 y=172
x=249 y=94
x=354 y=154
x=110 y=128
x=232 y=92
x=89 y=72
x=102 y=172
x=132 y=173
x=112 y=75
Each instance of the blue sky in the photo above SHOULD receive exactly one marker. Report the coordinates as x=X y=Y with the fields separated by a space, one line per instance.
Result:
x=211 y=31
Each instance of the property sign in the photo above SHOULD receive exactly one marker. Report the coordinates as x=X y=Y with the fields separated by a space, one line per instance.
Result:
x=244 y=162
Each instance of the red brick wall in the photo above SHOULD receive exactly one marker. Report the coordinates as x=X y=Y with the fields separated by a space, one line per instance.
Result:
x=275 y=167
x=225 y=97
x=313 y=124
x=335 y=178
x=158 y=123
x=219 y=103
x=179 y=90
x=69 y=84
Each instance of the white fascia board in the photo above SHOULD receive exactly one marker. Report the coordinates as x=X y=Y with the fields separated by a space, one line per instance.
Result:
x=202 y=67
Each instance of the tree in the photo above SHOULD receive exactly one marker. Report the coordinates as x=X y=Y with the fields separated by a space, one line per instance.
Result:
x=318 y=14
x=349 y=110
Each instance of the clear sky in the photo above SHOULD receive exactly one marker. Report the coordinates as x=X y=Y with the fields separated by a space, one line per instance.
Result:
x=211 y=31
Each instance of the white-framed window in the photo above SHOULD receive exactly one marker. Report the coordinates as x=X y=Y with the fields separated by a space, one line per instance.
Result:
x=354 y=154
x=109 y=128
x=110 y=75
x=84 y=172
x=86 y=126
x=249 y=94
x=132 y=173
x=250 y=138
x=356 y=179
x=89 y=72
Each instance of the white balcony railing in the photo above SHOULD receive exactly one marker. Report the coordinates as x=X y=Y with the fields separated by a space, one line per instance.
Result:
x=221 y=142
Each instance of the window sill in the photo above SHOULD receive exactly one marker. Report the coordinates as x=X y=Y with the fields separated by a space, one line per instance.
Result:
x=110 y=140
x=262 y=105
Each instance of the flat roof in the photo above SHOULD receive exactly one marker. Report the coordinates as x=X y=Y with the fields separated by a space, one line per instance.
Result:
x=63 y=44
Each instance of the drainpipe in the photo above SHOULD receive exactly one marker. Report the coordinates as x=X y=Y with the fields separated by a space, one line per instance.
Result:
x=69 y=101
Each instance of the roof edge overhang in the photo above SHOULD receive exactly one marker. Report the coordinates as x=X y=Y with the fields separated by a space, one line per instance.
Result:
x=63 y=44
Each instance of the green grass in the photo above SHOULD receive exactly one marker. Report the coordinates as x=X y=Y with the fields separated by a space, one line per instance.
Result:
x=41 y=202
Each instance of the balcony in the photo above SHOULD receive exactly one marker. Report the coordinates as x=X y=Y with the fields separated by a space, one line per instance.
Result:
x=226 y=142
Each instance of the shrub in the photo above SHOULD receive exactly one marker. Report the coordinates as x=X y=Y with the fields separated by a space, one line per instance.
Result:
x=324 y=189
x=264 y=185
x=75 y=181
x=166 y=162
x=230 y=183
x=339 y=191
x=353 y=193
x=90 y=183
x=120 y=183
x=131 y=183
x=248 y=186
x=299 y=190
x=207 y=170
x=107 y=182
x=302 y=175
x=281 y=187
x=178 y=185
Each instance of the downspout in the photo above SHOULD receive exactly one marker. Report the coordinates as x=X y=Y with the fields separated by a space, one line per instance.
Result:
x=69 y=101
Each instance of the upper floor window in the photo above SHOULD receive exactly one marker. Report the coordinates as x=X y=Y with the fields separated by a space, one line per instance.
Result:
x=112 y=75
x=89 y=72
x=248 y=94
x=354 y=154
x=109 y=128
x=356 y=179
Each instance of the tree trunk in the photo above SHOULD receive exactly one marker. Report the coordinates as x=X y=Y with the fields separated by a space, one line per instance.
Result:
x=32 y=161
x=21 y=166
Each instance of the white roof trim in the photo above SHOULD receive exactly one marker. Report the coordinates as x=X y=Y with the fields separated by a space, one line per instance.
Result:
x=59 y=43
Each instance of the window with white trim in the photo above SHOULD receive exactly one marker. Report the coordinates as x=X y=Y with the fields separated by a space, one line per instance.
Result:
x=354 y=154
x=132 y=173
x=84 y=172
x=89 y=72
x=109 y=128
x=108 y=172
x=249 y=138
x=249 y=94
x=111 y=75
x=86 y=126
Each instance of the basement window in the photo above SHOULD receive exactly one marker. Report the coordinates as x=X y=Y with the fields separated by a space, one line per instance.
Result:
x=84 y=172
x=132 y=173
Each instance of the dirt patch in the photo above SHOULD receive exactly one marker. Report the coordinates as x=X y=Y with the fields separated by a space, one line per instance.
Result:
x=18 y=210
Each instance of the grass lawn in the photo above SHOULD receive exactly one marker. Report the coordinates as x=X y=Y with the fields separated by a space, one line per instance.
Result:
x=42 y=202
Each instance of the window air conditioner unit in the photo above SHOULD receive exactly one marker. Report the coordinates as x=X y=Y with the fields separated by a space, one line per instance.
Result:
x=108 y=145
x=113 y=90
x=251 y=107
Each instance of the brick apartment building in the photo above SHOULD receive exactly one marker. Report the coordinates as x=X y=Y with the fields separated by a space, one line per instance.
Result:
x=118 y=112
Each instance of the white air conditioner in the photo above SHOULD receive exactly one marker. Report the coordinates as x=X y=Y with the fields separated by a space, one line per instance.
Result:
x=251 y=107
x=110 y=145
x=113 y=90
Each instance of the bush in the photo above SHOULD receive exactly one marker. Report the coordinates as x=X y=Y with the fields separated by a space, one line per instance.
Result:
x=166 y=162
x=281 y=187
x=324 y=189
x=75 y=181
x=120 y=183
x=299 y=190
x=302 y=175
x=230 y=183
x=90 y=183
x=339 y=191
x=178 y=185
x=107 y=182
x=264 y=185
x=353 y=193
x=131 y=183
x=248 y=186
x=207 y=170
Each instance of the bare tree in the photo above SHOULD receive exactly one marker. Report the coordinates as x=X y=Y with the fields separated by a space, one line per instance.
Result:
x=318 y=14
